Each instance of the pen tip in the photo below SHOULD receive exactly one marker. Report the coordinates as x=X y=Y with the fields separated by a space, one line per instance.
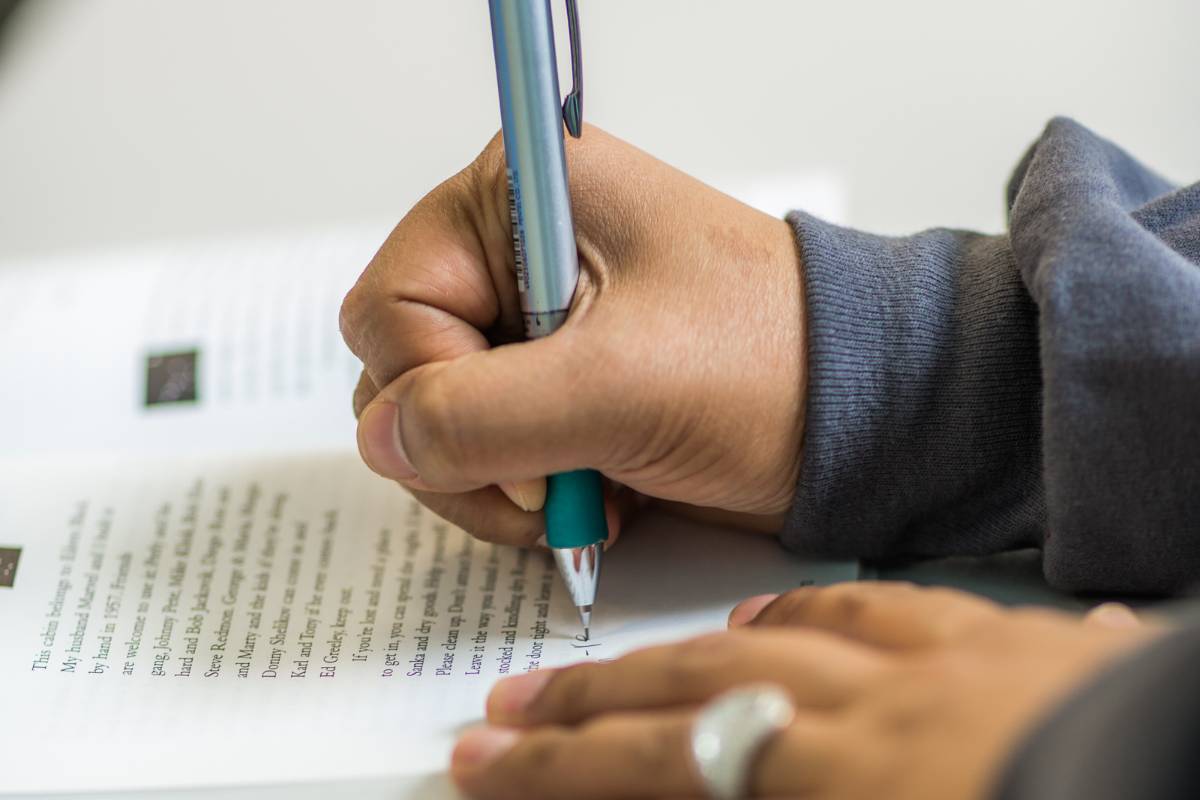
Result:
x=585 y=618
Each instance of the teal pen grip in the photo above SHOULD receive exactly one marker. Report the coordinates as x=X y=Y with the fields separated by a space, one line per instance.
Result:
x=575 y=509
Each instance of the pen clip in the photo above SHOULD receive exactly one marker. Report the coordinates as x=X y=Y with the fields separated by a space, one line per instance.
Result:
x=573 y=106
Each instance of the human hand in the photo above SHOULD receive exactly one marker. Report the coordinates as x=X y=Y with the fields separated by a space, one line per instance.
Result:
x=679 y=373
x=901 y=692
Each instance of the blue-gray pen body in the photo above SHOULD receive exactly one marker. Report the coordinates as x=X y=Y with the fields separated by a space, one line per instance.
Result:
x=544 y=245
x=539 y=200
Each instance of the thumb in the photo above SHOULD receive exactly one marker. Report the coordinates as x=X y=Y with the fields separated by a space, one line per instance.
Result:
x=510 y=414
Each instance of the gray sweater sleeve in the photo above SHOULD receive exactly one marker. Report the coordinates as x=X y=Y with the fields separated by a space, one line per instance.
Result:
x=969 y=393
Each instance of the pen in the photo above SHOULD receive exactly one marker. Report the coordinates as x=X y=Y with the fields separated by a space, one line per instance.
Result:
x=547 y=263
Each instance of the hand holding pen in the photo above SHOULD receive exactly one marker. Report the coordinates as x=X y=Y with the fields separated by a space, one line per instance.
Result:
x=676 y=374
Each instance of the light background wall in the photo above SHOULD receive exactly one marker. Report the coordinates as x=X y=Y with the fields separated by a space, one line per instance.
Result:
x=123 y=121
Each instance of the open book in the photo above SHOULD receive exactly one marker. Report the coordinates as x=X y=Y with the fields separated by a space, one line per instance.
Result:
x=201 y=585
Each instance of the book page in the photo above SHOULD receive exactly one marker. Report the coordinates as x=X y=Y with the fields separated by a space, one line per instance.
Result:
x=220 y=346
x=200 y=622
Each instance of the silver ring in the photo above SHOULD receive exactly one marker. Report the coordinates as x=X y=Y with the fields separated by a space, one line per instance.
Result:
x=730 y=733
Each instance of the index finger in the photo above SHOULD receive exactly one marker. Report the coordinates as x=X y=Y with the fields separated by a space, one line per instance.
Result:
x=889 y=615
x=820 y=671
x=438 y=284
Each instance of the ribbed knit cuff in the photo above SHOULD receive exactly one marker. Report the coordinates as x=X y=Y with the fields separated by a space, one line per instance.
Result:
x=922 y=427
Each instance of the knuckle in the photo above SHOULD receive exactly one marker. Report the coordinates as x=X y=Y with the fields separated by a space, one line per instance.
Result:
x=352 y=316
x=790 y=608
x=846 y=607
x=847 y=604
x=704 y=659
x=541 y=747
x=364 y=393
x=493 y=147
x=485 y=177
x=363 y=316
x=571 y=693
x=435 y=443
x=491 y=158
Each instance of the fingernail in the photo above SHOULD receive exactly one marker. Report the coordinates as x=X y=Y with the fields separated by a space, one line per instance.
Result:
x=745 y=612
x=1113 y=615
x=528 y=495
x=513 y=695
x=478 y=746
x=379 y=442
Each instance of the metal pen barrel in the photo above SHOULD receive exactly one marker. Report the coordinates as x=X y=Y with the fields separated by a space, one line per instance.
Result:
x=547 y=264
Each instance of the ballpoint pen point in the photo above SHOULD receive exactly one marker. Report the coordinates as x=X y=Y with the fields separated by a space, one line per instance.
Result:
x=585 y=616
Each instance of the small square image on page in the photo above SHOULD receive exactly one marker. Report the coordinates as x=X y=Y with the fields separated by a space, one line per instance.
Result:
x=8 y=566
x=172 y=377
